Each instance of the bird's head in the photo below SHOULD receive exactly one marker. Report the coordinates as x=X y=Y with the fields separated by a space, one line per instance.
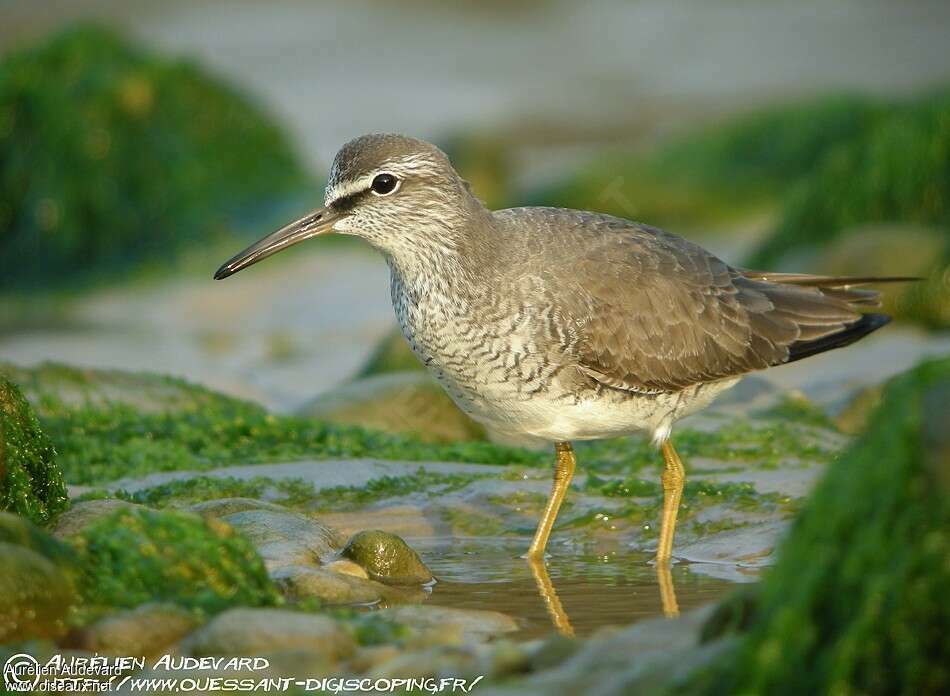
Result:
x=400 y=194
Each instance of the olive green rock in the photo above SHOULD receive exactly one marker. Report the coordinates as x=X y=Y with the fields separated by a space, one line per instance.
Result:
x=304 y=582
x=38 y=577
x=386 y=558
x=409 y=402
x=31 y=483
x=35 y=595
x=21 y=532
x=392 y=354
x=145 y=631
x=87 y=512
x=857 y=602
x=255 y=632
x=895 y=250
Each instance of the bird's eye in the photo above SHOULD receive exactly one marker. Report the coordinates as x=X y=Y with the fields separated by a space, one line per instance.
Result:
x=384 y=184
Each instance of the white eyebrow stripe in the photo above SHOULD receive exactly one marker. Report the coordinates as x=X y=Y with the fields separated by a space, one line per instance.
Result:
x=347 y=188
x=398 y=166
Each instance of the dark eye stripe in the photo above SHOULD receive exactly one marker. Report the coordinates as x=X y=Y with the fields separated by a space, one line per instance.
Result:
x=344 y=203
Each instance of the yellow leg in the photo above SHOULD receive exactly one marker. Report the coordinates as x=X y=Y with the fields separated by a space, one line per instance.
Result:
x=674 y=476
x=563 y=472
x=549 y=596
x=667 y=590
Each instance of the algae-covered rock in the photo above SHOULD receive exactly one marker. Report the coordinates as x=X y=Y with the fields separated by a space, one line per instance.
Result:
x=857 y=602
x=100 y=140
x=146 y=630
x=137 y=556
x=37 y=581
x=396 y=402
x=31 y=484
x=387 y=558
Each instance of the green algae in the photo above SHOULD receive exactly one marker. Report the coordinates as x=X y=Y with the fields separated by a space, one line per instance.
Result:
x=31 y=482
x=99 y=444
x=857 y=601
x=137 y=556
x=108 y=425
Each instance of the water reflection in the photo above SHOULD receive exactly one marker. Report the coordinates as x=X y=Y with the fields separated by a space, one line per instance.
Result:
x=574 y=593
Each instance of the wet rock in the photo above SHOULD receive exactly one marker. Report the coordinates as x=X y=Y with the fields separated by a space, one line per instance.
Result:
x=448 y=661
x=299 y=582
x=387 y=558
x=284 y=538
x=31 y=483
x=370 y=658
x=261 y=631
x=398 y=402
x=651 y=657
x=221 y=507
x=146 y=630
x=347 y=567
x=83 y=514
x=471 y=625
x=35 y=595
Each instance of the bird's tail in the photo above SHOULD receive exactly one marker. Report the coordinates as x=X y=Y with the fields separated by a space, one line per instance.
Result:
x=848 y=293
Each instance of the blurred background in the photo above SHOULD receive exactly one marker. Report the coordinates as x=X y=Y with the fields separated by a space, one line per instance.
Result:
x=143 y=143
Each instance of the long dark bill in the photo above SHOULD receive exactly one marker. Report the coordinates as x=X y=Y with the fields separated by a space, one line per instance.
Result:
x=318 y=222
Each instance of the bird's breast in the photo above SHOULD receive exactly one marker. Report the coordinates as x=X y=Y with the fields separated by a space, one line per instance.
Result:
x=483 y=352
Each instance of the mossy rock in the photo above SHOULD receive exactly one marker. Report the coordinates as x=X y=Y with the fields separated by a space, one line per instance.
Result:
x=396 y=402
x=896 y=171
x=857 y=603
x=19 y=531
x=111 y=155
x=147 y=630
x=136 y=556
x=31 y=483
x=386 y=558
x=36 y=595
x=392 y=354
x=37 y=581
x=896 y=249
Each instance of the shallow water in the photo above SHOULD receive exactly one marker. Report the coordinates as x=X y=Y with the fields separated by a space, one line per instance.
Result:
x=591 y=591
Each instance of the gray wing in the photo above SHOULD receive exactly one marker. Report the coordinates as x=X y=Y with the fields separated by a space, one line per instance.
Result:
x=653 y=312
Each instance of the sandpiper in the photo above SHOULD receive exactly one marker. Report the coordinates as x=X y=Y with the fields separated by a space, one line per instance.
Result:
x=563 y=324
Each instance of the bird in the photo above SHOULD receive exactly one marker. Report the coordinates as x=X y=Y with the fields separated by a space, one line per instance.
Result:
x=568 y=325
